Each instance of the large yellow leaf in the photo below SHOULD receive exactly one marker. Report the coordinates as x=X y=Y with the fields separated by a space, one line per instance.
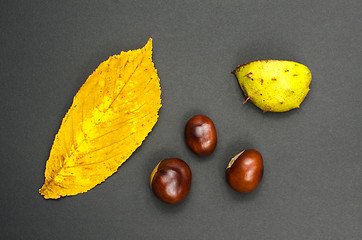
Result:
x=111 y=115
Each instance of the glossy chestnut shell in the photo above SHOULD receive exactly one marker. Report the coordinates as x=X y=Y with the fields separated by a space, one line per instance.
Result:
x=200 y=135
x=170 y=180
x=245 y=171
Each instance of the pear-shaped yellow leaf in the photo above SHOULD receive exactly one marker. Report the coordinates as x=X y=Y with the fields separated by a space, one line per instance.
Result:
x=111 y=115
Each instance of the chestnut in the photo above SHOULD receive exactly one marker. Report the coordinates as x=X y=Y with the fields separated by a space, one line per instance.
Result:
x=245 y=171
x=200 y=135
x=170 y=180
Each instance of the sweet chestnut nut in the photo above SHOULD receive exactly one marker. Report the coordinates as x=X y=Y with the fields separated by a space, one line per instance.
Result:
x=170 y=180
x=245 y=171
x=200 y=135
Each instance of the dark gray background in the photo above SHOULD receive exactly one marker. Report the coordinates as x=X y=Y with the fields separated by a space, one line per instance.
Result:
x=312 y=184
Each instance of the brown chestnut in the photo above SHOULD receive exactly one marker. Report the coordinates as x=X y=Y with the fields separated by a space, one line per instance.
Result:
x=245 y=171
x=170 y=180
x=200 y=135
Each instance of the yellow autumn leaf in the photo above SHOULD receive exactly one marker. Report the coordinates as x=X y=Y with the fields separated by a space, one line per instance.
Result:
x=111 y=115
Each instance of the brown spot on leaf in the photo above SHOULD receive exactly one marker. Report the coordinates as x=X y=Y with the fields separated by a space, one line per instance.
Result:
x=261 y=81
x=273 y=79
x=295 y=74
x=249 y=75
x=286 y=70
x=266 y=109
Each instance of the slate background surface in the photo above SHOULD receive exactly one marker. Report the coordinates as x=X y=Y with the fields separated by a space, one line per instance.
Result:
x=312 y=187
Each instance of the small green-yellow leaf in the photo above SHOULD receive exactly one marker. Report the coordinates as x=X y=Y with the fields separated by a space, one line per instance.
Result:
x=274 y=85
